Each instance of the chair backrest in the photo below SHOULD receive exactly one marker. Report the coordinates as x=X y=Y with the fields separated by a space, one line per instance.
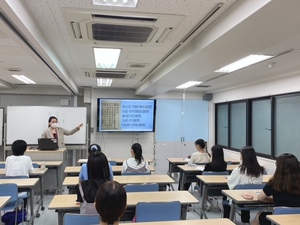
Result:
x=35 y=165
x=9 y=190
x=133 y=173
x=249 y=186
x=2 y=165
x=79 y=219
x=228 y=162
x=286 y=210
x=215 y=173
x=162 y=211
x=141 y=187
x=13 y=177
x=112 y=163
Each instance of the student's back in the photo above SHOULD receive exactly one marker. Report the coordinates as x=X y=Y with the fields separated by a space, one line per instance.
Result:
x=18 y=164
x=218 y=163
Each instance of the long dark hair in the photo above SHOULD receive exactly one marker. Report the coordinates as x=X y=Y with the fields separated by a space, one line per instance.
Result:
x=287 y=175
x=218 y=162
x=202 y=144
x=110 y=201
x=250 y=165
x=138 y=152
x=98 y=171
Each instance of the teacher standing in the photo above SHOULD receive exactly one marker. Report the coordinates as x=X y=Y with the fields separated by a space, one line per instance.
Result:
x=58 y=133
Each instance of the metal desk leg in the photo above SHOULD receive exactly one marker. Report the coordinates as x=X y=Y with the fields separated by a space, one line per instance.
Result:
x=232 y=211
x=183 y=211
x=181 y=180
x=203 y=198
x=31 y=207
x=60 y=215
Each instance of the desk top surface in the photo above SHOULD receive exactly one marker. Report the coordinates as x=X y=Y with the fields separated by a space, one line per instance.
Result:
x=118 y=160
x=187 y=168
x=136 y=179
x=186 y=160
x=236 y=195
x=76 y=169
x=189 y=222
x=31 y=151
x=3 y=201
x=69 y=201
x=35 y=172
x=221 y=179
x=21 y=183
x=47 y=163
x=291 y=219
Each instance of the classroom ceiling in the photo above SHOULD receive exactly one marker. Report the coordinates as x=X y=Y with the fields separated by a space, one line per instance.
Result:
x=188 y=40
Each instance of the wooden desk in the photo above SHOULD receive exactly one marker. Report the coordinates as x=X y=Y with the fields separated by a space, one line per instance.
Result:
x=3 y=201
x=27 y=183
x=213 y=186
x=118 y=161
x=75 y=170
x=238 y=200
x=188 y=173
x=160 y=179
x=291 y=219
x=188 y=222
x=67 y=203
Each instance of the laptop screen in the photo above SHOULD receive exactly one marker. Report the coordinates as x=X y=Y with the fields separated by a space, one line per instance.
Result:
x=47 y=144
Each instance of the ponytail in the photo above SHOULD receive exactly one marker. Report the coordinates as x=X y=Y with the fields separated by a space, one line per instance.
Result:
x=202 y=144
x=137 y=150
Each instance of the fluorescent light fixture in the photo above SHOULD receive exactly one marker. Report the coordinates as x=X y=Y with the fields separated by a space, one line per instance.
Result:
x=244 y=62
x=107 y=57
x=24 y=79
x=121 y=3
x=188 y=84
x=104 y=82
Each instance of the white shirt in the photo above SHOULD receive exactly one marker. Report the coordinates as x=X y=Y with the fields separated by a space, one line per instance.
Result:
x=199 y=157
x=236 y=178
x=18 y=165
x=132 y=163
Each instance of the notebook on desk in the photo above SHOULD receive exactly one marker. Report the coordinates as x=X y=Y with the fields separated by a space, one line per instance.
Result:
x=47 y=144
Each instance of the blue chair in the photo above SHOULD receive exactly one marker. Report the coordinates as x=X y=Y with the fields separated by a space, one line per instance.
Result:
x=286 y=210
x=14 y=202
x=163 y=211
x=35 y=165
x=79 y=219
x=2 y=165
x=141 y=187
x=133 y=173
x=112 y=163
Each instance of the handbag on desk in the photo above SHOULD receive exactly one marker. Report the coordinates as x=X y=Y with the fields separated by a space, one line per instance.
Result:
x=85 y=207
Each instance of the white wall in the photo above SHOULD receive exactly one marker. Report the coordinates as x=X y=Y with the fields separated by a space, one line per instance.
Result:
x=286 y=84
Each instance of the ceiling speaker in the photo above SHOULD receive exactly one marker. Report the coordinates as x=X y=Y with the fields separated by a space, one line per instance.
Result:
x=207 y=97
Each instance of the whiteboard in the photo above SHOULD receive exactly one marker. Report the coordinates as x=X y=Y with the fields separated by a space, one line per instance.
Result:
x=29 y=122
x=1 y=125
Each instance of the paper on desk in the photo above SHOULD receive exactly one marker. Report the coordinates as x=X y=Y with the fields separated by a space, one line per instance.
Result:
x=200 y=168
x=186 y=159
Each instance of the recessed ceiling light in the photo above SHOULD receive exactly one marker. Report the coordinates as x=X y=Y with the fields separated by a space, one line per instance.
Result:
x=244 y=62
x=24 y=79
x=188 y=84
x=104 y=82
x=120 y=3
x=106 y=57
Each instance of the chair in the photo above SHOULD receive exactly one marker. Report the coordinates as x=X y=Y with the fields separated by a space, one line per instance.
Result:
x=79 y=219
x=286 y=210
x=133 y=173
x=141 y=187
x=112 y=163
x=2 y=165
x=35 y=165
x=163 y=211
x=14 y=202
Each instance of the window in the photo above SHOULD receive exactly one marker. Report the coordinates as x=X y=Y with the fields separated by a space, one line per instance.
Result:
x=238 y=131
x=222 y=124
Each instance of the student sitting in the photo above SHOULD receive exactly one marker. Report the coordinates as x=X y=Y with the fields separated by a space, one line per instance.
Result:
x=83 y=175
x=18 y=164
x=201 y=156
x=136 y=163
x=283 y=188
x=110 y=202
x=217 y=164
x=249 y=172
x=98 y=173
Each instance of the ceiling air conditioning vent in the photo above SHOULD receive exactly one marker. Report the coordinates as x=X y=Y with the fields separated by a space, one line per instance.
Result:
x=110 y=74
x=109 y=27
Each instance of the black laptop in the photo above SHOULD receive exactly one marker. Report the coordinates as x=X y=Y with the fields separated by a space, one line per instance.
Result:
x=47 y=144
